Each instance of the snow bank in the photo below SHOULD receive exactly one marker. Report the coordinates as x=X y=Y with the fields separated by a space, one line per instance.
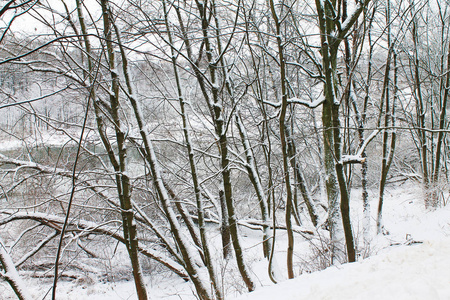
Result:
x=417 y=271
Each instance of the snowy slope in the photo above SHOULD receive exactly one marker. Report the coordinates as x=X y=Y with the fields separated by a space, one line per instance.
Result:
x=397 y=268
x=418 y=271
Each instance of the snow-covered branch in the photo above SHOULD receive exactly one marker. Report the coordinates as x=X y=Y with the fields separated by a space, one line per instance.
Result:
x=37 y=248
x=259 y=225
x=358 y=158
x=11 y=275
x=350 y=21
x=273 y=104
x=306 y=103
x=295 y=100
x=352 y=159
x=4 y=160
x=34 y=99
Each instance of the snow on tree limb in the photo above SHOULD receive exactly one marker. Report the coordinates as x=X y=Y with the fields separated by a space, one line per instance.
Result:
x=295 y=100
x=34 y=99
x=11 y=275
x=350 y=21
x=306 y=103
x=32 y=165
x=55 y=221
x=358 y=158
x=255 y=224
x=352 y=159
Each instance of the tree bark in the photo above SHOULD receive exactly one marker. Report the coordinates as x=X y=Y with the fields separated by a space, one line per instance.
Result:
x=284 y=143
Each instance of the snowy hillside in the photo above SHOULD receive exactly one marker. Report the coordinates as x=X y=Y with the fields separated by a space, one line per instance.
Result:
x=412 y=262
x=415 y=271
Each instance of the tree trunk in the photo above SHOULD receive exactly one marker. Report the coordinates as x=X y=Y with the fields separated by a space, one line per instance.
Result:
x=300 y=180
x=284 y=143
x=256 y=182
x=225 y=227
x=122 y=179
x=332 y=33
x=420 y=109
x=388 y=147
x=221 y=131
x=441 y=134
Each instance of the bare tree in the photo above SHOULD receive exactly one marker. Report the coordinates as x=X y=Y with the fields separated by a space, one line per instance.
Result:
x=388 y=110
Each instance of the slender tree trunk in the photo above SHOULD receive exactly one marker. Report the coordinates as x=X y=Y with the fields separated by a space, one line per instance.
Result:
x=331 y=183
x=122 y=179
x=441 y=133
x=221 y=131
x=267 y=194
x=361 y=120
x=225 y=227
x=284 y=143
x=332 y=33
x=420 y=107
x=256 y=182
x=389 y=111
x=206 y=254
x=300 y=180
x=150 y=156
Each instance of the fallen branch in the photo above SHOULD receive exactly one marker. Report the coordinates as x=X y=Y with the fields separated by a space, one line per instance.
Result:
x=55 y=222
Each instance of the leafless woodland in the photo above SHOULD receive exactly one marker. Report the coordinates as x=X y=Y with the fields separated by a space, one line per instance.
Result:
x=163 y=129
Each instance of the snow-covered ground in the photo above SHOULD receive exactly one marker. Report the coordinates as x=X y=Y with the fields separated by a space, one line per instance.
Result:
x=411 y=262
x=417 y=271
